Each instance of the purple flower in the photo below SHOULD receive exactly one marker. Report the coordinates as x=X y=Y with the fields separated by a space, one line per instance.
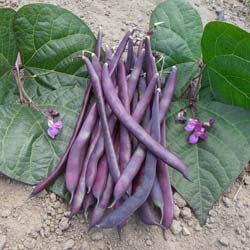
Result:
x=191 y=124
x=54 y=128
x=198 y=129
x=199 y=132
x=53 y=112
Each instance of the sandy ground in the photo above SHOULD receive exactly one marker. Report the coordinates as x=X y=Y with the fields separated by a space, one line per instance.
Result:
x=42 y=223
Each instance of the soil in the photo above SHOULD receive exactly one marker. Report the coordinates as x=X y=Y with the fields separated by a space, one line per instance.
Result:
x=42 y=222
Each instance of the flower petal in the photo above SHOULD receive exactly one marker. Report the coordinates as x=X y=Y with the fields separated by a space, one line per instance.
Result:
x=58 y=124
x=203 y=136
x=53 y=132
x=191 y=125
x=193 y=138
x=211 y=122
x=50 y=122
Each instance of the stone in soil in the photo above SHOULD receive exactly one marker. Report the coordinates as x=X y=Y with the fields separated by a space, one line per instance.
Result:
x=176 y=212
x=84 y=246
x=64 y=224
x=5 y=213
x=148 y=242
x=96 y=236
x=29 y=243
x=176 y=227
x=185 y=231
x=2 y=241
x=224 y=241
x=226 y=201
x=68 y=244
x=179 y=201
x=186 y=213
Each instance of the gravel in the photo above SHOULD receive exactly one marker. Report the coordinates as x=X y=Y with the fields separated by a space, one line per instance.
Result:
x=176 y=227
x=224 y=241
x=185 y=231
x=68 y=244
x=179 y=201
x=186 y=213
x=176 y=212
x=227 y=202
x=84 y=246
x=96 y=236
x=2 y=241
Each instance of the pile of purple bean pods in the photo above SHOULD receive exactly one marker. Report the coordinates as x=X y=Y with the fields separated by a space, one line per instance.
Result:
x=116 y=162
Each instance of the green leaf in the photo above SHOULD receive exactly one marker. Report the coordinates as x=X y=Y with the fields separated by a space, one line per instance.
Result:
x=27 y=154
x=177 y=38
x=48 y=38
x=213 y=164
x=226 y=52
x=8 y=54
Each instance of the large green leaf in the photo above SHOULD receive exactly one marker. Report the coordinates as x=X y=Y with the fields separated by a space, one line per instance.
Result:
x=226 y=52
x=8 y=54
x=48 y=38
x=177 y=38
x=213 y=164
x=27 y=154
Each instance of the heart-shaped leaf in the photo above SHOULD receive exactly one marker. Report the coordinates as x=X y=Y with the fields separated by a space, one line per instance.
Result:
x=226 y=52
x=8 y=54
x=177 y=34
x=213 y=164
x=49 y=38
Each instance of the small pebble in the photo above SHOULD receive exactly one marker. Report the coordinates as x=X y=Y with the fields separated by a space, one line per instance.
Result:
x=53 y=197
x=247 y=180
x=224 y=241
x=64 y=224
x=186 y=213
x=84 y=246
x=176 y=227
x=5 y=213
x=68 y=244
x=197 y=227
x=179 y=201
x=185 y=231
x=96 y=236
x=148 y=242
x=176 y=212
x=212 y=213
x=29 y=243
x=20 y=246
x=226 y=201
x=2 y=241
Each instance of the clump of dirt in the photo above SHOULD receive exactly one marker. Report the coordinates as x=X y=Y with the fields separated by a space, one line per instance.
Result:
x=42 y=222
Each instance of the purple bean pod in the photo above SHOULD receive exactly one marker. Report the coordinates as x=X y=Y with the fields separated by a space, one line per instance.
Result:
x=135 y=74
x=150 y=61
x=78 y=151
x=89 y=200
x=98 y=47
x=147 y=215
x=101 y=207
x=157 y=197
x=130 y=56
x=125 y=141
x=101 y=178
x=108 y=143
x=165 y=184
x=119 y=53
x=122 y=213
x=81 y=187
